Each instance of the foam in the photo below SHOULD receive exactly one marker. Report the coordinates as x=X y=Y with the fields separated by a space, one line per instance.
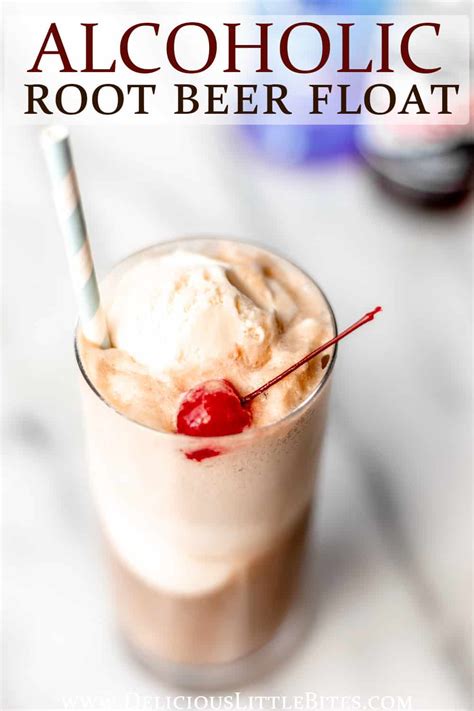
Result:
x=178 y=319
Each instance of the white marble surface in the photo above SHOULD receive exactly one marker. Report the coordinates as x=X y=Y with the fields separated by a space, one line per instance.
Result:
x=388 y=594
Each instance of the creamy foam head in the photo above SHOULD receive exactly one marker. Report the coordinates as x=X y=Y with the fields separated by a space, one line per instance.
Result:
x=210 y=309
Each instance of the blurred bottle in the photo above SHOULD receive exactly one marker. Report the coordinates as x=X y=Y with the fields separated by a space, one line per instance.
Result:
x=435 y=170
x=299 y=144
x=429 y=164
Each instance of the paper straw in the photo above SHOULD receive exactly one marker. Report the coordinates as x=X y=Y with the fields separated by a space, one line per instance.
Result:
x=57 y=149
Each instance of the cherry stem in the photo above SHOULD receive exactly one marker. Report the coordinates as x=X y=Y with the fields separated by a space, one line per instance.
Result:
x=365 y=319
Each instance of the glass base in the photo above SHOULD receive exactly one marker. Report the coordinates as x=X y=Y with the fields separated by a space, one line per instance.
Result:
x=219 y=677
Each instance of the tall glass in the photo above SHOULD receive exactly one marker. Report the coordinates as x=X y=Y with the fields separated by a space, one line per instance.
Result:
x=204 y=552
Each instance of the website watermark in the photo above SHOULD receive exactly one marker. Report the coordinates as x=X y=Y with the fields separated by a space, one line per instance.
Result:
x=236 y=701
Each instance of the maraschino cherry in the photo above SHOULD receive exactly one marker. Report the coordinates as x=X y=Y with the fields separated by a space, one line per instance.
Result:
x=215 y=408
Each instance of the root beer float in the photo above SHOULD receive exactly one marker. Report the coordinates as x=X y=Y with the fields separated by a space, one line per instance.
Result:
x=205 y=377
x=202 y=473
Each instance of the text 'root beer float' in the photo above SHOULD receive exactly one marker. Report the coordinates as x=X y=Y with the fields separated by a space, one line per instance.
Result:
x=228 y=54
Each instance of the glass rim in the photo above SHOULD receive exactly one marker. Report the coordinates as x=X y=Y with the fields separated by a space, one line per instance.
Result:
x=189 y=439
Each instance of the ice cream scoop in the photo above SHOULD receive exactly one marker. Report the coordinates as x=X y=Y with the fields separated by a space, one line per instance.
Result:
x=184 y=310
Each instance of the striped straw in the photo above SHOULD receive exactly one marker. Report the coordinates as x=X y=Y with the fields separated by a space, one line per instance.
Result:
x=57 y=149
